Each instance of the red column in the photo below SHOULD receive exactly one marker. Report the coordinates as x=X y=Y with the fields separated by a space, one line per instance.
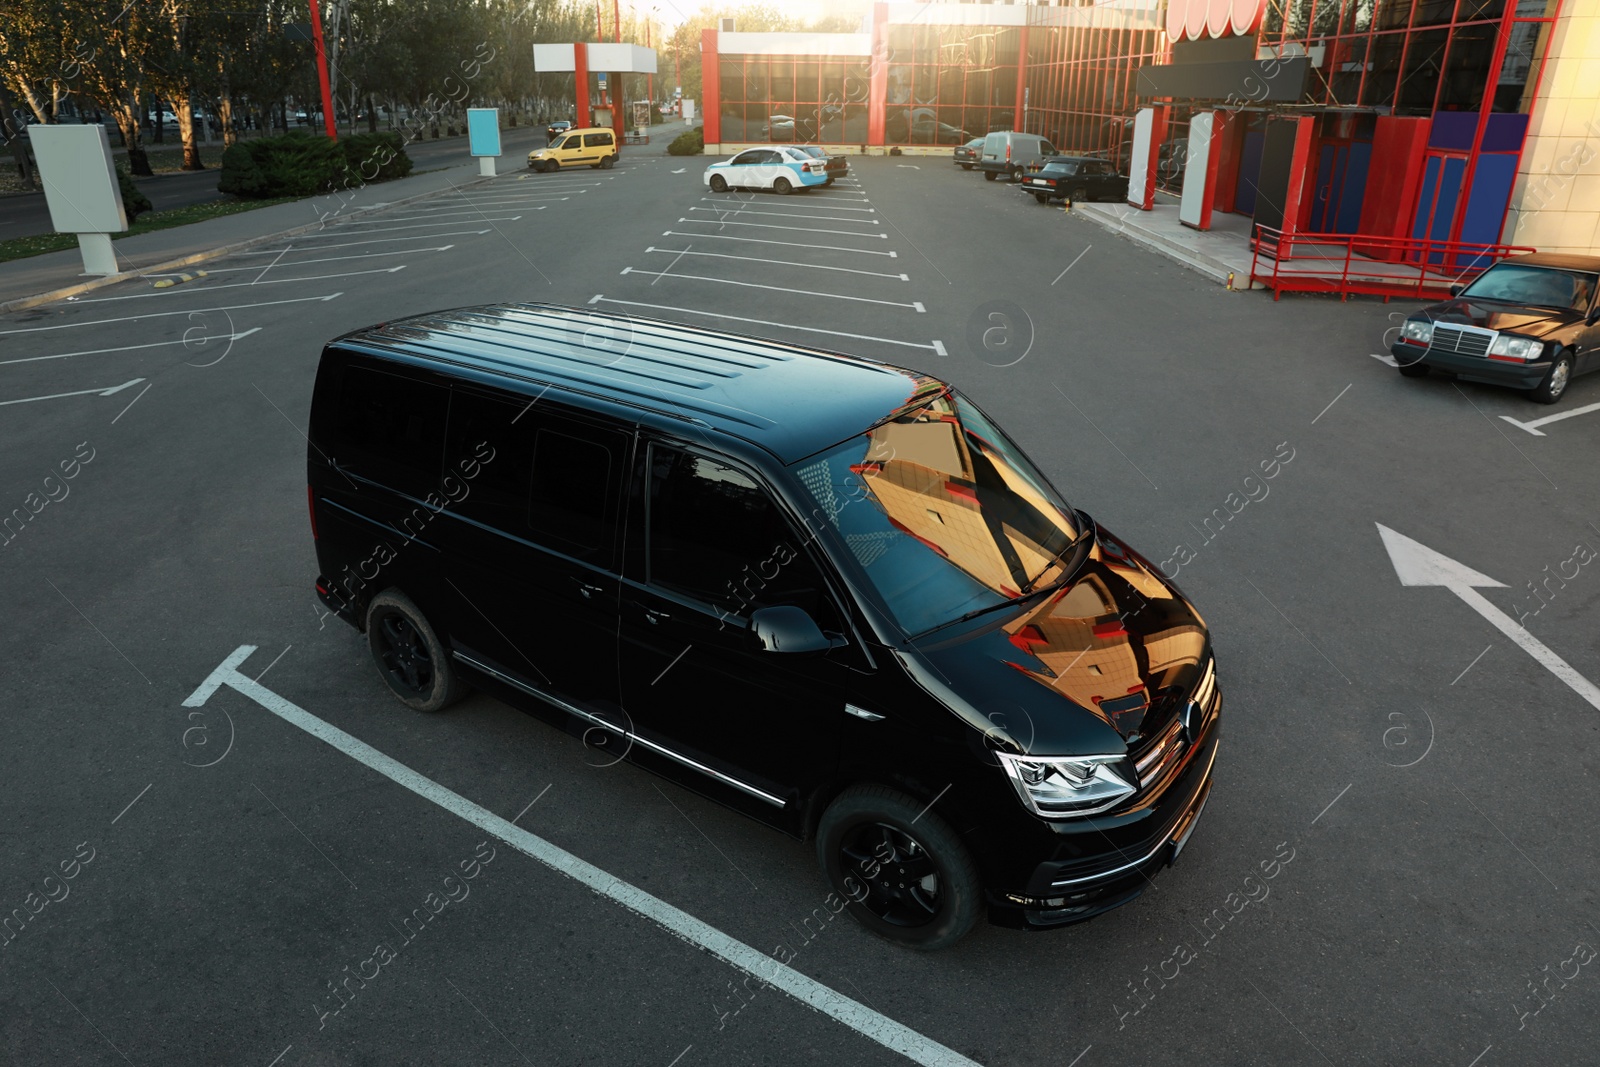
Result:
x=1022 y=78
x=1229 y=146
x=710 y=87
x=878 y=77
x=322 y=72
x=1296 y=204
x=580 y=81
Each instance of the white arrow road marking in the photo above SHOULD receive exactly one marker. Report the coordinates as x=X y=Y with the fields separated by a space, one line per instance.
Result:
x=908 y=166
x=680 y=170
x=81 y=392
x=1384 y=358
x=1531 y=427
x=164 y=314
x=870 y=1024
x=1417 y=564
x=200 y=342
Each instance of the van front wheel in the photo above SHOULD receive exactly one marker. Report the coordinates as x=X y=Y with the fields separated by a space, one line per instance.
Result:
x=902 y=870
x=409 y=655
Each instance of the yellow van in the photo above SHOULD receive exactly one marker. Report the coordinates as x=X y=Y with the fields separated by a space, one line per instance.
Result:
x=593 y=145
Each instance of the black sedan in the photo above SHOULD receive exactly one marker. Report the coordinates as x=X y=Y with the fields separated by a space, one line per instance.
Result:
x=556 y=129
x=1075 y=178
x=837 y=166
x=966 y=155
x=1529 y=322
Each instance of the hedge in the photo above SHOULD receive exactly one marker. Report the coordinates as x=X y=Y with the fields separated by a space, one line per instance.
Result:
x=134 y=202
x=689 y=143
x=301 y=164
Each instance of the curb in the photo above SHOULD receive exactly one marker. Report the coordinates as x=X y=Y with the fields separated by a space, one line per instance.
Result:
x=26 y=302
x=1166 y=251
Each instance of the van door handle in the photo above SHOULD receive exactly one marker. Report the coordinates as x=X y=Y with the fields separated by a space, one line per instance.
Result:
x=586 y=589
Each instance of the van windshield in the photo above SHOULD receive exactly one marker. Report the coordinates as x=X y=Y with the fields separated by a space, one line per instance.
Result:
x=942 y=513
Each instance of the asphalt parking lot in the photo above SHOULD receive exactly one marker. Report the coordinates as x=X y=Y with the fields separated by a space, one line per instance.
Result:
x=1395 y=865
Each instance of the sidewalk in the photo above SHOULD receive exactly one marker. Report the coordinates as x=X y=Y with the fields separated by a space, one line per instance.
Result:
x=37 y=280
x=1222 y=250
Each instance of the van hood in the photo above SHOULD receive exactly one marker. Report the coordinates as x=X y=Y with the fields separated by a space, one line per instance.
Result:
x=1097 y=667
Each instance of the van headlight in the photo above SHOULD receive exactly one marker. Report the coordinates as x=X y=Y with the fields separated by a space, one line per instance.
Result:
x=1061 y=787
x=1516 y=347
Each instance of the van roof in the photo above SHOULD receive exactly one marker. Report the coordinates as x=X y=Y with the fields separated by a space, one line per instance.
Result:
x=790 y=400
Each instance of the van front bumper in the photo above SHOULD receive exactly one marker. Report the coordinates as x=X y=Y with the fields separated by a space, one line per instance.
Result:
x=1065 y=891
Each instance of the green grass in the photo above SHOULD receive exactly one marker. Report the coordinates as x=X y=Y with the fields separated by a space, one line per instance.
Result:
x=23 y=247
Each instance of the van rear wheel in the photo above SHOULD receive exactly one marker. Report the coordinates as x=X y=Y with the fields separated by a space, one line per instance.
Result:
x=905 y=873
x=409 y=655
x=606 y=163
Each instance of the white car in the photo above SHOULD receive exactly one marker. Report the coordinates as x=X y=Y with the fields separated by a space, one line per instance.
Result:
x=779 y=168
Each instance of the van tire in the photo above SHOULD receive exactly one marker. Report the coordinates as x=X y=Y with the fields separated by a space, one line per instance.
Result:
x=608 y=162
x=872 y=824
x=989 y=175
x=719 y=184
x=782 y=186
x=409 y=655
x=1016 y=174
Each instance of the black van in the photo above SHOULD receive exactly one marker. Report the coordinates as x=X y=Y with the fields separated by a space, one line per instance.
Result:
x=824 y=591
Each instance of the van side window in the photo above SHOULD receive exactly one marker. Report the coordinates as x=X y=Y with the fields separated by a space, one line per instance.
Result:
x=535 y=474
x=389 y=428
x=714 y=535
x=597 y=140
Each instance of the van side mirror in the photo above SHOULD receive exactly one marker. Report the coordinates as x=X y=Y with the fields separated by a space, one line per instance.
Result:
x=786 y=628
x=1455 y=290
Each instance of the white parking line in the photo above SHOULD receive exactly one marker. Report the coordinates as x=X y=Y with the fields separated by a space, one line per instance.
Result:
x=379 y=241
x=340 y=231
x=509 y=201
x=786 y=244
x=185 y=340
x=714 y=200
x=102 y=391
x=476 y=209
x=767 y=969
x=1532 y=427
x=410 y=218
x=787 y=215
x=937 y=347
x=186 y=291
x=802 y=229
x=779 y=288
x=329 y=259
x=164 y=314
x=778 y=262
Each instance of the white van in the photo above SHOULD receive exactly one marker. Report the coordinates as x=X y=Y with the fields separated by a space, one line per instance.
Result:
x=1010 y=153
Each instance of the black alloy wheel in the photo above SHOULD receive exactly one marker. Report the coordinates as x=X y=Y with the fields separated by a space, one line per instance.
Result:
x=903 y=871
x=409 y=655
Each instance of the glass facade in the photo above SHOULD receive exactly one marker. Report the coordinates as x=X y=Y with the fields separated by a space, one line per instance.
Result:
x=794 y=98
x=949 y=84
x=1415 y=56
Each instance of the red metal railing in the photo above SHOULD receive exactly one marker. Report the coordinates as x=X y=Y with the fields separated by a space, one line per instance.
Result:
x=1346 y=263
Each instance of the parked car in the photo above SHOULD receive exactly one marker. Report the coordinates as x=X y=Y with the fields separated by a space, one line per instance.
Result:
x=1075 y=178
x=779 y=168
x=778 y=128
x=556 y=129
x=904 y=644
x=595 y=146
x=966 y=155
x=1529 y=322
x=836 y=166
x=1010 y=153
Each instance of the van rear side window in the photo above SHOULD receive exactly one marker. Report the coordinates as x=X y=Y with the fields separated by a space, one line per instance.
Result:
x=389 y=428
x=550 y=479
